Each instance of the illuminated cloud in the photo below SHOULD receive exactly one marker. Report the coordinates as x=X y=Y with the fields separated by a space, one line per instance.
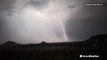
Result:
x=33 y=21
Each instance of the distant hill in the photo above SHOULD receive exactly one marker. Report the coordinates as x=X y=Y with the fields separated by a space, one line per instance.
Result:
x=94 y=41
x=10 y=43
x=97 y=41
x=95 y=45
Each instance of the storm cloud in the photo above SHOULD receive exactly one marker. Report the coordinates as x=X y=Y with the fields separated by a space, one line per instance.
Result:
x=33 y=21
x=87 y=22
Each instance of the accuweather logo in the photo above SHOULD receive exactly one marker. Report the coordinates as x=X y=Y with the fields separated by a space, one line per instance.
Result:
x=89 y=56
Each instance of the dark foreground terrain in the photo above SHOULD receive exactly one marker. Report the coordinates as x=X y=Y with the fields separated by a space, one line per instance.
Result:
x=96 y=45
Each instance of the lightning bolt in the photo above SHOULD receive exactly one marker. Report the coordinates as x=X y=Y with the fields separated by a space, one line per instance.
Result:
x=60 y=22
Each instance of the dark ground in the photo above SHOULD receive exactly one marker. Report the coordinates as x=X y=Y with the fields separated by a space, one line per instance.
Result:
x=96 y=45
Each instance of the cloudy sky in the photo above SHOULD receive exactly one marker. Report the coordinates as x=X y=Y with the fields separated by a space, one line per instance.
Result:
x=33 y=21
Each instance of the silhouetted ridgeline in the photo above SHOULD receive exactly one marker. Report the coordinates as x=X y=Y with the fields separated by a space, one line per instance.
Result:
x=96 y=45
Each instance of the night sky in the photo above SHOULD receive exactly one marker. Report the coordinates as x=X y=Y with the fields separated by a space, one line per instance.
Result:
x=33 y=21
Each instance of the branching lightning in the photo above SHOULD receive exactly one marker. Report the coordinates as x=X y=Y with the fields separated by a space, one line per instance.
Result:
x=60 y=22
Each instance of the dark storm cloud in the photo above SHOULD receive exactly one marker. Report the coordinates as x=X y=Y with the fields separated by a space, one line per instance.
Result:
x=39 y=3
x=4 y=7
x=81 y=29
x=88 y=21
